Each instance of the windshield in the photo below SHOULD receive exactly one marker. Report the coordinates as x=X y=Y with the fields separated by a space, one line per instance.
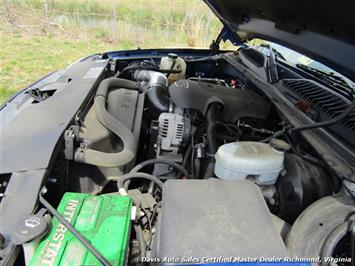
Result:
x=297 y=58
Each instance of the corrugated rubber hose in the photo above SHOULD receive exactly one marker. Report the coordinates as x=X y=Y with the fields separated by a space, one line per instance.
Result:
x=104 y=159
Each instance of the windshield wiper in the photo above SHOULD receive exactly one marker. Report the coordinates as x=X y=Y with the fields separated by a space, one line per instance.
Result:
x=328 y=77
x=274 y=50
x=272 y=67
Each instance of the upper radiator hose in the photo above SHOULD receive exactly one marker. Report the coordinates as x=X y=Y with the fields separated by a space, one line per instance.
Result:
x=157 y=91
x=104 y=159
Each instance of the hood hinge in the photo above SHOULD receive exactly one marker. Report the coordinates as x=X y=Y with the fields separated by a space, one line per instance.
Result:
x=225 y=34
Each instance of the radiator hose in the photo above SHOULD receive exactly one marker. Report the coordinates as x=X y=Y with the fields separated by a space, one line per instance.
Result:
x=104 y=159
x=213 y=115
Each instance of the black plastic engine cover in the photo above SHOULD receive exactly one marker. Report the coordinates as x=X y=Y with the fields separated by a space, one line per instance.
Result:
x=215 y=218
x=237 y=103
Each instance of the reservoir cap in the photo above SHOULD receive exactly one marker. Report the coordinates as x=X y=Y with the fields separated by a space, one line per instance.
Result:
x=29 y=228
x=172 y=55
x=280 y=145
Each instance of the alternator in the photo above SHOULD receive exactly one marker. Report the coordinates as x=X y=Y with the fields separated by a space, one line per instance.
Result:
x=174 y=131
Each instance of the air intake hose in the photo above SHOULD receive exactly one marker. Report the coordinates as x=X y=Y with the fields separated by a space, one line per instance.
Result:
x=104 y=159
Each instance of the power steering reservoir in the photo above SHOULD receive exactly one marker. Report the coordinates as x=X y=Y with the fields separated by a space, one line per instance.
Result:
x=243 y=160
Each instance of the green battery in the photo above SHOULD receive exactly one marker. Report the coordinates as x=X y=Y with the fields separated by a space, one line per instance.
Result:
x=103 y=220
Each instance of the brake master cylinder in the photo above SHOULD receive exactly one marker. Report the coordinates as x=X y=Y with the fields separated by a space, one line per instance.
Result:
x=103 y=220
x=247 y=159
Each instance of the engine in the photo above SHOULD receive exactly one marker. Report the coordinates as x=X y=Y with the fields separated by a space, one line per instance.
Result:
x=198 y=164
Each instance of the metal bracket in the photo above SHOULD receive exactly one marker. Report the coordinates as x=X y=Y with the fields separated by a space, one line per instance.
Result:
x=71 y=135
x=225 y=35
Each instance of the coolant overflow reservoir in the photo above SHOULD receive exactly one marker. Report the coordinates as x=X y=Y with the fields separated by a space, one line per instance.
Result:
x=173 y=62
x=247 y=159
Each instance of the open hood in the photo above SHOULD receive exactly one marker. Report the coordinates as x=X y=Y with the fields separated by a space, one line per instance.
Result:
x=324 y=30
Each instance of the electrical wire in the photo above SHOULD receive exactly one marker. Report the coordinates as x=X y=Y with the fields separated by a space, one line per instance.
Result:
x=171 y=163
x=122 y=179
x=326 y=123
x=275 y=135
x=155 y=210
x=149 y=242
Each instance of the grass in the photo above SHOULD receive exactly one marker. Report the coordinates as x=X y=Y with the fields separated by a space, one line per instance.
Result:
x=24 y=60
x=28 y=50
x=145 y=23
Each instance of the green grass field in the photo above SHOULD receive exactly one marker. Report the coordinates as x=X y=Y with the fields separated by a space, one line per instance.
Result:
x=29 y=49
x=24 y=60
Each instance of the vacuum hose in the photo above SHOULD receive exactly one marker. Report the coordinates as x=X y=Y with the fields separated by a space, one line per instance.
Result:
x=171 y=163
x=104 y=159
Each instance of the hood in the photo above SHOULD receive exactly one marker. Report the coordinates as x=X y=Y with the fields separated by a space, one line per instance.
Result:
x=323 y=30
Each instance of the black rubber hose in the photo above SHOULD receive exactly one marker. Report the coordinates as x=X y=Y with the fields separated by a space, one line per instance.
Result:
x=104 y=159
x=187 y=155
x=157 y=91
x=327 y=123
x=159 y=99
x=173 y=164
x=122 y=179
x=189 y=150
x=71 y=229
x=213 y=115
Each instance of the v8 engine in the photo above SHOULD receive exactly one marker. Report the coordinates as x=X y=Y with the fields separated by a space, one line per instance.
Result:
x=176 y=158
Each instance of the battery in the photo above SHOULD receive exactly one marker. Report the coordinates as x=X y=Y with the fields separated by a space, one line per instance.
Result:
x=103 y=220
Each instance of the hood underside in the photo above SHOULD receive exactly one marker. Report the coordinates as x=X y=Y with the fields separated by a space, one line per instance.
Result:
x=322 y=30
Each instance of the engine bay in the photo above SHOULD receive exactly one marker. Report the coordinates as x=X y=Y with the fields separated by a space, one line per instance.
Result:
x=185 y=159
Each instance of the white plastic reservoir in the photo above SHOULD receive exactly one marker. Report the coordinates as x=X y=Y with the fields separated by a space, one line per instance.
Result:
x=174 y=62
x=247 y=159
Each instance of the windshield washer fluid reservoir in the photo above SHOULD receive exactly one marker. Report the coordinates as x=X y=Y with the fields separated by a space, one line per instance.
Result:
x=249 y=160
